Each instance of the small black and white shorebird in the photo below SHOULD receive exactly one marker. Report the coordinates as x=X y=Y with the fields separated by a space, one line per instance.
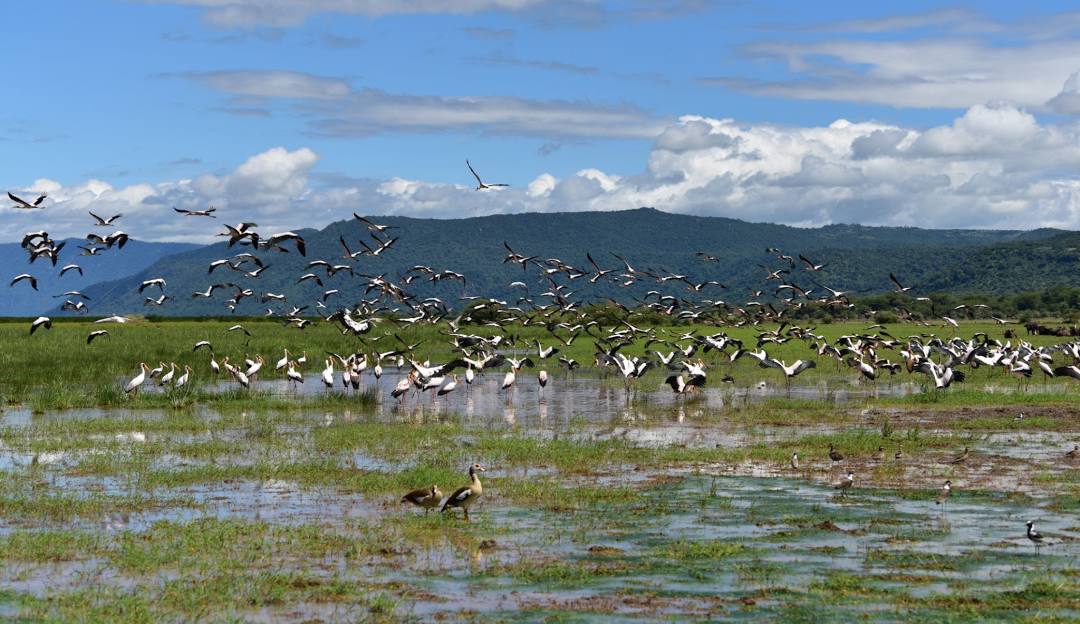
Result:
x=1074 y=453
x=795 y=461
x=835 y=455
x=943 y=494
x=1036 y=538
x=846 y=483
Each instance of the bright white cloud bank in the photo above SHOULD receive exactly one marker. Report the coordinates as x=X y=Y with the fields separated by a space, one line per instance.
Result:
x=995 y=166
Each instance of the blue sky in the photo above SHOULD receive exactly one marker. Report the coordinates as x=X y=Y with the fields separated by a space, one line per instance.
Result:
x=298 y=112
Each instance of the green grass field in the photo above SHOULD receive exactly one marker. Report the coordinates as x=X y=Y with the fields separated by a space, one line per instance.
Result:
x=56 y=369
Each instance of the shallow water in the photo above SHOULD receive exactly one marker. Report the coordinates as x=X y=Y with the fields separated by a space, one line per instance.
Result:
x=796 y=533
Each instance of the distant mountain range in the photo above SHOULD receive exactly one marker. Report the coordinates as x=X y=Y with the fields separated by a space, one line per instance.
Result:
x=22 y=300
x=857 y=258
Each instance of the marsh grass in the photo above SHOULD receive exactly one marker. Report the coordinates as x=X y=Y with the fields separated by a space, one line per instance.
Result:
x=49 y=546
x=33 y=507
x=94 y=375
x=569 y=488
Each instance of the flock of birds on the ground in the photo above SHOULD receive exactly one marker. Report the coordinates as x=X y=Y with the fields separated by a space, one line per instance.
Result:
x=789 y=283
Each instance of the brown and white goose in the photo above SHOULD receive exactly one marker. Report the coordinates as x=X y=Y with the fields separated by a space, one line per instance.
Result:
x=428 y=498
x=465 y=496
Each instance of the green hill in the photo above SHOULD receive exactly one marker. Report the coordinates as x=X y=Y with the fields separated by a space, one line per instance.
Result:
x=859 y=258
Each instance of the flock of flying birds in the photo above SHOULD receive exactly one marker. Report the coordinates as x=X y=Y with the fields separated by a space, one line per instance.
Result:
x=788 y=283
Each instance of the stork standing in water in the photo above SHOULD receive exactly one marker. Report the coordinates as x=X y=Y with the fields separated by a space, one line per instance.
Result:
x=137 y=380
x=448 y=387
x=167 y=377
x=470 y=376
x=328 y=375
x=182 y=381
x=542 y=378
x=402 y=387
x=511 y=375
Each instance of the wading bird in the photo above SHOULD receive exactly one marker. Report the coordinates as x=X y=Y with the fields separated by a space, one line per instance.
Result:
x=465 y=496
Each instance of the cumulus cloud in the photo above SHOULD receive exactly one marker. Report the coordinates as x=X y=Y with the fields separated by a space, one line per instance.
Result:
x=267 y=188
x=995 y=166
x=542 y=185
x=1067 y=102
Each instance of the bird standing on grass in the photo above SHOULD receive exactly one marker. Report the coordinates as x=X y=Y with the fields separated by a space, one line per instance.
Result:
x=137 y=380
x=465 y=496
x=427 y=498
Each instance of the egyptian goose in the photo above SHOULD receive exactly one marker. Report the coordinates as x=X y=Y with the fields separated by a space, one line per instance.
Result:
x=465 y=496
x=428 y=498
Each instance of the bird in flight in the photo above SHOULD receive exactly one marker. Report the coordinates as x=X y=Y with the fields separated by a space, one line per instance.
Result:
x=480 y=184
x=22 y=203
x=197 y=213
x=104 y=222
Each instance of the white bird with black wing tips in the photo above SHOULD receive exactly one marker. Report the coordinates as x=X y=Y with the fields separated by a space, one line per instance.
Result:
x=104 y=222
x=30 y=279
x=209 y=212
x=21 y=203
x=480 y=184
x=41 y=321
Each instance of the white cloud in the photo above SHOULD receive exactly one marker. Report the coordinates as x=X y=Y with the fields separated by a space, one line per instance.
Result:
x=1067 y=102
x=920 y=73
x=272 y=84
x=249 y=13
x=245 y=13
x=267 y=188
x=336 y=110
x=994 y=166
x=542 y=185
